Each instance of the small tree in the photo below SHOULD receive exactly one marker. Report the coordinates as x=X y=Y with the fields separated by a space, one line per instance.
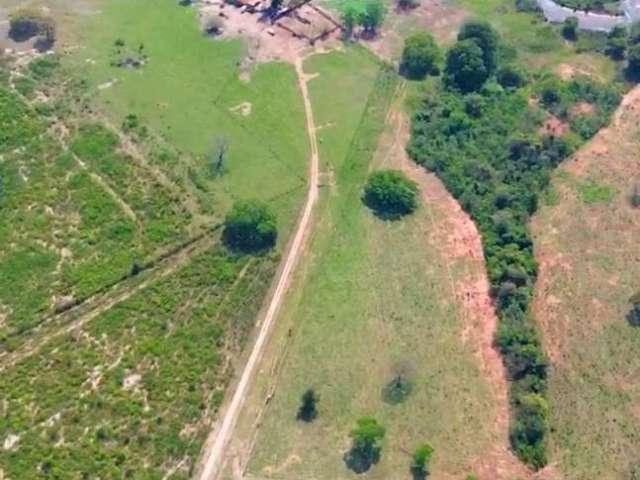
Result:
x=367 y=445
x=372 y=17
x=250 y=226
x=350 y=17
x=570 y=28
x=218 y=161
x=465 y=68
x=421 y=461
x=421 y=56
x=633 y=316
x=308 y=410
x=617 y=42
x=390 y=194
x=511 y=76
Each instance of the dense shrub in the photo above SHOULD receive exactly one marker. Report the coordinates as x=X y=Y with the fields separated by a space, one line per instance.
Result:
x=367 y=445
x=421 y=461
x=570 y=28
x=486 y=38
x=421 y=56
x=489 y=151
x=28 y=23
x=633 y=61
x=617 y=42
x=250 y=226
x=511 y=76
x=308 y=410
x=390 y=194
x=465 y=69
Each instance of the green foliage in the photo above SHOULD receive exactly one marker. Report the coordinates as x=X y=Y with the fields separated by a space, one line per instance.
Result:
x=27 y=23
x=616 y=45
x=465 y=69
x=308 y=410
x=633 y=61
x=367 y=445
x=373 y=16
x=511 y=76
x=570 y=28
x=421 y=461
x=489 y=153
x=486 y=38
x=421 y=56
x=250 y=226
x=390 y=194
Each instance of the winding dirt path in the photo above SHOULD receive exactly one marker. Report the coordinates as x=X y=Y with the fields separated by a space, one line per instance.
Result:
x=215 y=447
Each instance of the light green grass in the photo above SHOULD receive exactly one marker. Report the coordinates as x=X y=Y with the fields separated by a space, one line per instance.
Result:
x=185 y=93
x=369 y=304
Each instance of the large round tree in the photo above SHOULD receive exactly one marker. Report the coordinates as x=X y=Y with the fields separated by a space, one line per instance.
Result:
x=250 y=226
x=420 y=56
x=465 y=69
x=486 y=38
x=390 y=194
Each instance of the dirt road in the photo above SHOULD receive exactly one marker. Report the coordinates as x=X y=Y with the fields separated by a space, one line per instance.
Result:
x=214 y=450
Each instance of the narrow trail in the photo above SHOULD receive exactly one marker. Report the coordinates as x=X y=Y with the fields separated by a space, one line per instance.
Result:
x=457 y=236
x=94 y=306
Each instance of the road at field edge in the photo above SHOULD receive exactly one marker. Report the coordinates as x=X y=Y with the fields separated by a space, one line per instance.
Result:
x=214 y=451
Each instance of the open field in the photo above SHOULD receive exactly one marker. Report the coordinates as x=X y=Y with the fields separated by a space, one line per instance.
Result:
x=586 y=243
x=367 y=305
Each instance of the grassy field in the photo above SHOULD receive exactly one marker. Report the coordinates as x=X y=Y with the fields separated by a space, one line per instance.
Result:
x=86 y=200
x=368 y=305
x=188 y=92
x=586 y=243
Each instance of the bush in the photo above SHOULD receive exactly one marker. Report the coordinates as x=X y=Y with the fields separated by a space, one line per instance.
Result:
x=511 y=76
x=633 y=61
x=390 y=194
x=367 y=445
x=308 y=410
x=633 y=317
x=421 y=461
x=25 y=24
x=465 y=69
x=570 y=28
x=250 y=226
x=421 y=56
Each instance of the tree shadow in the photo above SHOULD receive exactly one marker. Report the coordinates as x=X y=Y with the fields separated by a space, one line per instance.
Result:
x=360 y=459
x=418 y=474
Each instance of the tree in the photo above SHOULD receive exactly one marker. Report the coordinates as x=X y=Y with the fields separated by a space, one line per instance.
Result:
x=420 y=56
x=366 y=445
x=350 y=17
x=486 y=38
x=421 y=461
x=634 y=33
x=308 y=410
x=633 y=317
x=633 y=61
x=390 y=194
x=250 y=226
x=465 y=69
x=616 y=42
x=570 y=28
x=372 y=17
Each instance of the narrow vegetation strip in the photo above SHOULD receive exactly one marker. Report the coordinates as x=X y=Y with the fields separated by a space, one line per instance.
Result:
x=488 y=132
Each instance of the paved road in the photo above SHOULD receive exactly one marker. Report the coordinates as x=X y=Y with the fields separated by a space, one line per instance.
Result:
x=591 y=21
x=213 y=457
